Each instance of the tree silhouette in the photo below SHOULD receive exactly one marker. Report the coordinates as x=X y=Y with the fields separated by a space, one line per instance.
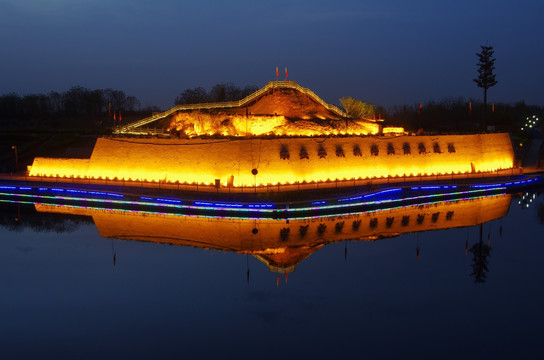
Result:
x=224 y=92
x=486 y=65
x=192 y=96
x=219 y=93
x=76 y=107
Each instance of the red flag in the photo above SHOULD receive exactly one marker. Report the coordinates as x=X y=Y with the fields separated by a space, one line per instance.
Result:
x=286 y=73
x=114 y=115
x=277 y=72
x=470 y=108
x=420 y=109
x=120 y=118
x=492 y=107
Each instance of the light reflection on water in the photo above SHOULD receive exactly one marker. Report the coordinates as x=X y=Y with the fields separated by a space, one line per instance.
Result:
x=78 y=294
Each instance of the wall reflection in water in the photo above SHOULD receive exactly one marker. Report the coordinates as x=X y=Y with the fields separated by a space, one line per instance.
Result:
x=284 y=244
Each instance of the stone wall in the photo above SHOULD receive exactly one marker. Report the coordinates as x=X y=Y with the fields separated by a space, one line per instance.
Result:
x=60 y=167
x=285 y=160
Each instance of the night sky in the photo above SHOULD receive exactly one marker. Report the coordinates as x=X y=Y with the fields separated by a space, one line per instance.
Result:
x=383 y=52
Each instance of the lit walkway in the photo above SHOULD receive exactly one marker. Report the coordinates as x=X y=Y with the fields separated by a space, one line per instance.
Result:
x=132 y=128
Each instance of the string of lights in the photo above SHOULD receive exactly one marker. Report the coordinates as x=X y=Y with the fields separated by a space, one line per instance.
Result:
x=389 y=198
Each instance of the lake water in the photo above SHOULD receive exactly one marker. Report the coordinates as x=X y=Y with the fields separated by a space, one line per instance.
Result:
x=141 y=286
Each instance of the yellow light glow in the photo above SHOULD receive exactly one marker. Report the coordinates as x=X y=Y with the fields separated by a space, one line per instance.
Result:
x=203 y=161
x=237 y=234
x=193 y=125
x=393 y=131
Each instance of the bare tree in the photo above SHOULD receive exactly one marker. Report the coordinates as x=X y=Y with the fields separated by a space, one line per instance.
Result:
x=132 y=103
x=192 y=96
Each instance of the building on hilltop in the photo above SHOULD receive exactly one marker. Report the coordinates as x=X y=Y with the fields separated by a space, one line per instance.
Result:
x=283 y=134
x=281 y=108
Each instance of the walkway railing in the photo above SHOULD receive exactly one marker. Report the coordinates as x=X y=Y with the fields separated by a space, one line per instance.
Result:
x=231 y=104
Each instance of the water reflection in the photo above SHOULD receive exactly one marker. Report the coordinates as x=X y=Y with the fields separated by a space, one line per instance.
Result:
x=540 y=212
x=17 y=217
x=480 y=252
x=280 y=244
x=137 y=299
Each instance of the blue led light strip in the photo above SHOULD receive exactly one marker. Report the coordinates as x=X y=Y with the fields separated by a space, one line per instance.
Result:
x=521 y=182
x=139 y=203
x=267 y=208
x=434 y=187
x=386 y=201
x=371 y=195
x=242 y=217
x=238 y=209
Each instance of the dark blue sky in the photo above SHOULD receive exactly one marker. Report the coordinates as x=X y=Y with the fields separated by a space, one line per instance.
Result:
x=384 y=52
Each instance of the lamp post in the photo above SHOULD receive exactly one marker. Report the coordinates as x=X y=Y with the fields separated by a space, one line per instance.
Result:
x=14 y=147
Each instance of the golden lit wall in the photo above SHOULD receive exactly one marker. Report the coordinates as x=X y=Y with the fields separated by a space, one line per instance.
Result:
x=274 y=235
x=285 y=160
x=60 y=167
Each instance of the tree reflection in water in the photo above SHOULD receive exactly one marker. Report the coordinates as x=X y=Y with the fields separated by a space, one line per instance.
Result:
x=280 y=245
x=15 y=217
x=480 y=252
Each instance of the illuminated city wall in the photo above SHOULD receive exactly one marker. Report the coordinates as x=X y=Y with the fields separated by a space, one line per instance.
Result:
x=60 y=167
x=273 y=236
x=284 y=160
